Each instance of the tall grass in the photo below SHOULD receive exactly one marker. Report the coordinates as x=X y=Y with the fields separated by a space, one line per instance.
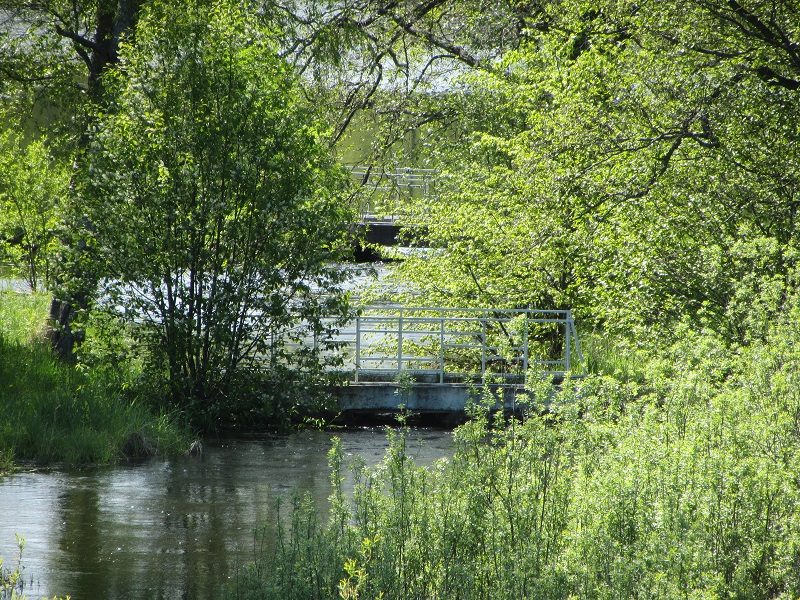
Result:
x=607 y=354
x=682 y=484
x=12 y=579
x=55 y=412
x=23 y=316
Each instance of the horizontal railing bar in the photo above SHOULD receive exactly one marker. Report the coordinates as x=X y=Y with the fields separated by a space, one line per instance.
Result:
x=416 y=313
x=445 y=319
x=373 y=322
x=412 y=309
x=461 y=319
x=468 y=346
x=436 y=359
x=404 y=358
x=449 y=344
x=445 y=336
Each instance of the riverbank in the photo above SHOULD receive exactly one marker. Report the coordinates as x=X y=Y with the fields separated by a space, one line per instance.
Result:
x=176 y=527
x=69 y=413
x=668 y=472
x=680 y=482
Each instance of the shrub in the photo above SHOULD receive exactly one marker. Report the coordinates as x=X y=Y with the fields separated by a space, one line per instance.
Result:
x=681 y=485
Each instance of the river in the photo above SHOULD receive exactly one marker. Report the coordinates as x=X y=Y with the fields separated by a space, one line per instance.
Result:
x=175 y=528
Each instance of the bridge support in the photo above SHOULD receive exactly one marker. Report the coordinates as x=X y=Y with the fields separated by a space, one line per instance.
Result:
x=418 y=398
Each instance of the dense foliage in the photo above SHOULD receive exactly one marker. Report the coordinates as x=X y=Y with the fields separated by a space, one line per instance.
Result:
x=73 y=414
x=636 y=162
x=681 y=485
x=216 y=215
x=32 y=187
x=205 y=208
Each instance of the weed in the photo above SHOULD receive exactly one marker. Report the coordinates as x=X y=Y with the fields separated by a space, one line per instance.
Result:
x=678 y=483
x=67 y=413
x=12 y=583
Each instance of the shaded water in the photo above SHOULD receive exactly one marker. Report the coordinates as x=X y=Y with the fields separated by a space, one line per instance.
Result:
x=10 y=283
x=170 y=528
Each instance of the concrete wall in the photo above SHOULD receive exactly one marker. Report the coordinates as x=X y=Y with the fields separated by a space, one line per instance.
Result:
x=390 y=397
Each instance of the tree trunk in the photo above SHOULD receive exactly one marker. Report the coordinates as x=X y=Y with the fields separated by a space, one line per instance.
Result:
x=113 y=21
x=59 y=332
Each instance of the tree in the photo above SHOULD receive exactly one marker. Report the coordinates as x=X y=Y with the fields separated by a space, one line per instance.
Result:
x=640 y=165
x=359 y=60
x=217 y=214
x=67 y=45
x=378 y=64
x=53 y=56
x=32 y=185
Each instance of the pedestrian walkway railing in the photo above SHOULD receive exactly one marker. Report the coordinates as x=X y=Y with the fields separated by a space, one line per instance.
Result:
x=387 y=190
x=458 y=345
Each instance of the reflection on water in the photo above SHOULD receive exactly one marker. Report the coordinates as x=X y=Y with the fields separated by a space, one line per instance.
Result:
x=10 y=281
x=170 y=528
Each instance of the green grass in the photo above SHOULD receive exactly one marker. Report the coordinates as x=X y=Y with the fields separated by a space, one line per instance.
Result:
x=23 y=317
x=55 y=412
x=681 y=485
x=605 y=354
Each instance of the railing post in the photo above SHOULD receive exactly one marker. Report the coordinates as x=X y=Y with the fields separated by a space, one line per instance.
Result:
x=483 y=348
x=567 y=332
x=400 y=342
x=441 y=346
x=358 y=344
x=525 y=351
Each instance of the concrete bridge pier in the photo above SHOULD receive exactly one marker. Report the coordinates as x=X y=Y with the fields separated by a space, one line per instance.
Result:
x=382 y=397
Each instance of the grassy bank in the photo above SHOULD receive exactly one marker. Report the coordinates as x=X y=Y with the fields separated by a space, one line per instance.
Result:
x=681 y=482
x=67 y=413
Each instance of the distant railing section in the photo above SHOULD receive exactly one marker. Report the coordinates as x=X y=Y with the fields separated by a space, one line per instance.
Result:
x=457 y=345
x=386 y=191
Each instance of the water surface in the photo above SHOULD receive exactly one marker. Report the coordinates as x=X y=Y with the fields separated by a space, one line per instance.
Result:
x=170 y=528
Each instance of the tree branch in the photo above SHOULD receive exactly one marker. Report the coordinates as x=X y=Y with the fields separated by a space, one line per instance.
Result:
x=768 y=75
x=79 y=40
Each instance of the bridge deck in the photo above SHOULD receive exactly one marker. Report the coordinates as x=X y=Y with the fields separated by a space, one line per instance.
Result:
x=434 y=359
x=420 y=398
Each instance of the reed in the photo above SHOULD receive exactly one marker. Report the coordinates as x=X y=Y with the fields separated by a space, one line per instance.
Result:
x=57 y=412
x=12 y=579
x=681 y=485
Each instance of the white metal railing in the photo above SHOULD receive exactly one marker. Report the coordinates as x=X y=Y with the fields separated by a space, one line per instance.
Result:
x=388 y=188
x=452 y=345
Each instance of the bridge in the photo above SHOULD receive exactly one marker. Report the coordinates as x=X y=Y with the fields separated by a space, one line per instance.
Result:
x=385 y=192
x=433 y=360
